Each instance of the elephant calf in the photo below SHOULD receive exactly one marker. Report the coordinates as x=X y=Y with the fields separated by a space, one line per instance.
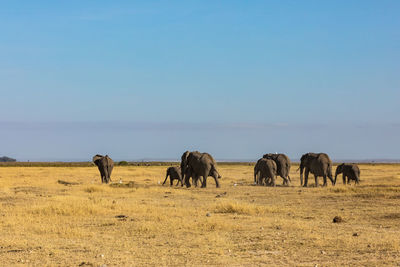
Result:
x=351 y=171
x=174 y=173
x=265 y=169
x=105 y=165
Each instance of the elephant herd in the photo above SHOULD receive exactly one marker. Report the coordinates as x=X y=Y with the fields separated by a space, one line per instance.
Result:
x=199 y=166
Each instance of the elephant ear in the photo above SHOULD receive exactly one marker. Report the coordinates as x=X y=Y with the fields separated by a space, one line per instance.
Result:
x=97 y=157
x=185 y=155
x=109 y=160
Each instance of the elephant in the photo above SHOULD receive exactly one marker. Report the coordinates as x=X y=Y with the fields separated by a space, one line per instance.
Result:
x=265 y=169
x=105 y=165
x=174 y=173
x=185 y=170
x=318 y=164
x=195 y=164
x=283 y=164
x=351 y=171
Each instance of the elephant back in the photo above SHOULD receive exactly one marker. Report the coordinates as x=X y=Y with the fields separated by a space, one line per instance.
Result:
x=109 y=161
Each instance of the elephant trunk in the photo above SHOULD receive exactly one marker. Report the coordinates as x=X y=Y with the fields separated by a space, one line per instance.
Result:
x=336 y=174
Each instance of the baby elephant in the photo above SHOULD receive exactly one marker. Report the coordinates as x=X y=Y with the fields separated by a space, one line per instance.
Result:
x=174 y=173
x=351 y=171
x=265 y=170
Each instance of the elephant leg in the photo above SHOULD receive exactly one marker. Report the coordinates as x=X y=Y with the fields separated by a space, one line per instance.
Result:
x=306 y=172
x=273 y=182
x=195 y=181
x=204 y=184
x=344 y=179
x=325 y=181
x=285 y=180
x=187 y=181
x=259 y=179
x=316 y=180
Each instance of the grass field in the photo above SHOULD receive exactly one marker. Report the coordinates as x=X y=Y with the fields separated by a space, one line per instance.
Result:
x=139 y=222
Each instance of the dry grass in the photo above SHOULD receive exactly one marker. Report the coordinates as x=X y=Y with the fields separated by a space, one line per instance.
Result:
x=139 y=222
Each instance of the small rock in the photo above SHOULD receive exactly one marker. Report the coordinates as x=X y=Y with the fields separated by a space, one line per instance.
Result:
x=121 y=216
x=208 y=214
x=337 y=219
x=220 y=195
x=355 y=234
x=323 y=252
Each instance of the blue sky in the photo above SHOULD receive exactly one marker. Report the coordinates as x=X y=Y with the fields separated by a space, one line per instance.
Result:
x=151 y=79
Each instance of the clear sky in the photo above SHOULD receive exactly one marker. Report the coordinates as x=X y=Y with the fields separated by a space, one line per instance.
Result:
x=151 y=79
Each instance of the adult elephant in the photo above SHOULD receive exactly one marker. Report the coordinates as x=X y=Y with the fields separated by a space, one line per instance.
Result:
x=318 y=164
x=283 y=165
x=105 y=165
x=351 y=171
x=195 y=164
x=265 y=169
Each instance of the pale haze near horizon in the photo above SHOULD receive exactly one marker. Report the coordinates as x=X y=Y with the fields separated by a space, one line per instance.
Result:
x=236 y=79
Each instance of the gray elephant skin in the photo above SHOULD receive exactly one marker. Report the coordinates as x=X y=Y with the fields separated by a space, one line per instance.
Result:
x=105 y=165
x=174 y=173
x=283 y=164
x=318 y=164
x=195 y=164
x=265 y=169
x=351 y=171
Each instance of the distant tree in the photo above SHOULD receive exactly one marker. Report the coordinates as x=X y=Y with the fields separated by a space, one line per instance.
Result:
x=7 y=159
x=123 y=163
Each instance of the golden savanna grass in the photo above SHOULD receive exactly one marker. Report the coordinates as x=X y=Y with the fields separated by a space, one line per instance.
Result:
x=140 y=222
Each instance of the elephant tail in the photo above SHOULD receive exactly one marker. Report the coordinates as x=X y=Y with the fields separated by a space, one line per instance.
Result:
x=214 y=170
x=166 y=177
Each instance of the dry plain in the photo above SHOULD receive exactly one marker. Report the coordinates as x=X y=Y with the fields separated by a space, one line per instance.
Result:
x=140 y=222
